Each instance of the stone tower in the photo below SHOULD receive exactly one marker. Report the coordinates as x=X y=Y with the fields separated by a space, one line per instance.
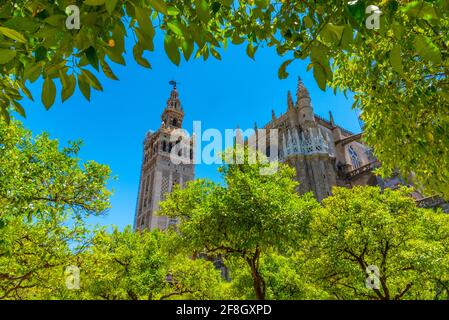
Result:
x=307 y=150
x=305 y=145
x=159 y=174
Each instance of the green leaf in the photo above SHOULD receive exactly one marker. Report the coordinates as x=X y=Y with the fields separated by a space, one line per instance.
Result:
x=187 y=46
x=420 y=9
x=262 y=3
x=91 y=55
x=32 y=72
x=282 y=72
x=172 y=11
x=251 y=50
x=83 y=84
x=145 y=41
x=107 y=70
x=321 y=68
x=138 y=52
x=215 y=53
x=94 y=2
x=398 y=30
x=93 y=81
x=48 y=93
x=427 y=49
x=6 y=55
x=171 y=48
x=68 y=86
x=319 y=73
x=56 y=20
x=110 y=6
x=347 y=37
x=216 y=7
x=40 y=54
x=202 y=10
x=5 y=115
x=173 y=26
x=143 y=17
x=158 y=5
x=22 y=24
x=332 y=33
x=226 y=3
x=356 y=10
x=18 y=107
x=25 y=91
x=396 y=59
x=13 y=34
x=308 y=22
x=115 y=56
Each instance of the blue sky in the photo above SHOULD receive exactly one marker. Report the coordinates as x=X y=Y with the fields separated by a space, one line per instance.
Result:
x=220 y=94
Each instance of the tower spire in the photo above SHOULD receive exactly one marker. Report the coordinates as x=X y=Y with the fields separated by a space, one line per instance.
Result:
x=331 y=118
x=301 y=90
x=173 y=101
x=289 y=100
x=173 y=113
x=304 y=105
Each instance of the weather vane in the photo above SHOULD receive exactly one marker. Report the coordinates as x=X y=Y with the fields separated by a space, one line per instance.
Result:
x=173 y=83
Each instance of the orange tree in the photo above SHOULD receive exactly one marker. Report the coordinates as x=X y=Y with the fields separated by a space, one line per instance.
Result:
x=398 y=72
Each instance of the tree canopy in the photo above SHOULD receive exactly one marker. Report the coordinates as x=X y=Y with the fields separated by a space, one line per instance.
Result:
x=366 y=236
x=398 y=72
x=274 y=243
x=249 y=216
x=45 y=197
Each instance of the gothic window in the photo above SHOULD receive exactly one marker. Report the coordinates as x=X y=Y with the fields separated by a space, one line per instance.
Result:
x=354 y=158
x=164 y=146
x=175 y=122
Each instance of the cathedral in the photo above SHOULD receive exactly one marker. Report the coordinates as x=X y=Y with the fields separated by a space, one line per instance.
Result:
x=323 y=154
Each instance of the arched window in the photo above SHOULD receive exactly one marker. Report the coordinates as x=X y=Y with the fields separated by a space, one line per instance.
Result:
x=164 y=146
x=175 y=122
x=354 y=158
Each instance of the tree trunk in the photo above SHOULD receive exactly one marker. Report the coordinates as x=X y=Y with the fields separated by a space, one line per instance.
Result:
x=258 y=281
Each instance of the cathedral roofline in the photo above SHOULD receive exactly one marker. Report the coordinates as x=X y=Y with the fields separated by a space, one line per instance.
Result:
x=321 y=120
x=330 y=124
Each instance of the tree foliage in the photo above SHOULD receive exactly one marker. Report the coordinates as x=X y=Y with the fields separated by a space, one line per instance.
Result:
x=247 y=217
x=274 y=243
x=296 y=249
x=45 y=196
x=364 y=226
x=399 y=72
x=144 y=265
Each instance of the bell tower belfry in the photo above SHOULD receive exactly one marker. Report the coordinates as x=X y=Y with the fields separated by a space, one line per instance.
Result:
x=159 y=174
x=173 y=114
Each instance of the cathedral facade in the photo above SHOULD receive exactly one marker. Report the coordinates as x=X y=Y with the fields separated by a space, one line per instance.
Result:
x=323 y=154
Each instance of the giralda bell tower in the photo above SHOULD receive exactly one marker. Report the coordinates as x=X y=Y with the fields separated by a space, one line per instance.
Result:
x=158 y=173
